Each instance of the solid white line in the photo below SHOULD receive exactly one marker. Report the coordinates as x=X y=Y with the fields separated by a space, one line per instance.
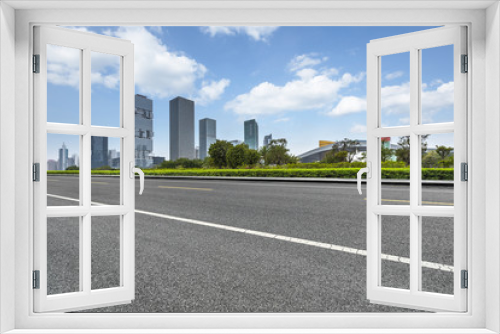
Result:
x=393 y=258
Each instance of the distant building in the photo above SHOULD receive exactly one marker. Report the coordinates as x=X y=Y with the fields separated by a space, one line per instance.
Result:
x=252 y=134
x=51 y=164
x=143 y=131
x=62 y=163
x=71 y=162
x=181 y=129
x=158 y=160
x=319 y=153
x=99 y=156
x=208 y=136
x=325 y=142
x=76 y=160
x=267 y=139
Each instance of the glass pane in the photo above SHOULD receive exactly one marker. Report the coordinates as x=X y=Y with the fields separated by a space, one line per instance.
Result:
x=63 y=255
x=395 y=90
x=437 y=169
x=437 y=98
x=105 y=164
x=437 y=254
x=105 y=89
x=63 y=174
x=63 y=84
x=105 y=252
x=395 y=171
x=395 y=238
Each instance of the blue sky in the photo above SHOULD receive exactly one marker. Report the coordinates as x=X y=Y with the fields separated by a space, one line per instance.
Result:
x=304 y=84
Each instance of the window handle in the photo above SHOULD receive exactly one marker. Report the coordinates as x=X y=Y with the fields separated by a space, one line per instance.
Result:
x=368 y=171
x=139 y=171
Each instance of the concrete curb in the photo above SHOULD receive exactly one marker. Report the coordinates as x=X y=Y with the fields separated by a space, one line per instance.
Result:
x=278 y=179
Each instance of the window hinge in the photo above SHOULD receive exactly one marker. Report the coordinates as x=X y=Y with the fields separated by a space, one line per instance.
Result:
x=465 y=64
x=36 y=63
x=464 y=171
x=36 y=279
x=36 y=172
x=465 y=279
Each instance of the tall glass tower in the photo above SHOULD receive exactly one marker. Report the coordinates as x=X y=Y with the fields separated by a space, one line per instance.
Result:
x=252 y=134
x=62 y=163
x=181 y=129
x=99 y=155
x=208 y=135
x=143 y=131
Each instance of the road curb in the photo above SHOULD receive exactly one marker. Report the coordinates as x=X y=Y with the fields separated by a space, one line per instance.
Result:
x=278 y=179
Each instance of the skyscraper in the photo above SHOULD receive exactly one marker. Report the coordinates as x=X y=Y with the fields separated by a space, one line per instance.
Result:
x=208 y=135
x=267 y=139
x=143 y=131
x=99 y=147
x=252 y=134
x=181 y=128
x=62 y=163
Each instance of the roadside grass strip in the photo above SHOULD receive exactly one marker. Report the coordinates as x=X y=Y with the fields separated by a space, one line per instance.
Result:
x=362 y=252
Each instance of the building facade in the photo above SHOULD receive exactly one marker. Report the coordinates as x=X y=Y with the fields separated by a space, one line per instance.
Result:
x=208 y=135
x=267 y=139
x=143 y=131
x=62 y=163
x=99 y=156
x=252 y=134
x=181 y=129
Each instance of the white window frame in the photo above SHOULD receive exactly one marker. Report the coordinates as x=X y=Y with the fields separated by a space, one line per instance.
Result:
x=483 y=246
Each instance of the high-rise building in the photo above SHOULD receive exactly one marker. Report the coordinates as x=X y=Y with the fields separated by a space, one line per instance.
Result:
x=62 y=163
x=267 y=139
x=143 y=131
x=181 y=129
x=252 y=134
x=76 y=160
x=99 y=156
x=51 y=164
x=208 y=135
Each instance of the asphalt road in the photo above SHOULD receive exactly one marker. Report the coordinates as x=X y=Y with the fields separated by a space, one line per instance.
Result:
x=192 y=267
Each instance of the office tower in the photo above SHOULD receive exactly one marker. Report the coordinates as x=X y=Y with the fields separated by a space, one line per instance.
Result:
x=62 y=163
x=143 y=131
x=267 y=139
x=51 y=164
x=208 y=136
x=252 y=134
x=76 y=160
x=181 y=128
x=71 y=161
x=99 y=147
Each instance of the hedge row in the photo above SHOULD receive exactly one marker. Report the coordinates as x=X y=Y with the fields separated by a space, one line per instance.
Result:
x=344 y=173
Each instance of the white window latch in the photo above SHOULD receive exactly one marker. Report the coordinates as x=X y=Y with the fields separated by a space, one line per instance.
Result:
x=368 y=171
x=139 y=171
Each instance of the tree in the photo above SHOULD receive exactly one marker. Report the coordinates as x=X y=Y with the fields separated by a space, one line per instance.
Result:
x=218 y=152
x=252 y=157
x=276 y=153
x=349 y=146
x=386 y=154
x=403 y=152
x=443 y=151
x=430 y=159
x=73 y=168
x=235 y=155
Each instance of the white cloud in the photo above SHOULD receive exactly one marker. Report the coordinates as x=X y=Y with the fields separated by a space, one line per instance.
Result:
x=282 y=120
x=394 y=75
x=349 y=105
x=158 y=71
x=211 y=91
x=305 y=61
x=309 y=91
x=254 y=32
x=358 y=128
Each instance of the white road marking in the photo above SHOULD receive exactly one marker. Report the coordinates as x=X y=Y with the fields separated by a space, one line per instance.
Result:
x=362 y=252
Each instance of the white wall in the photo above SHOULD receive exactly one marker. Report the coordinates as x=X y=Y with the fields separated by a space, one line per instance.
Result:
x=7 y=170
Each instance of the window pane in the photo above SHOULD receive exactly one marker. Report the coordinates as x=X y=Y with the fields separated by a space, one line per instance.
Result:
x=63 y=84
x=63 y=174
x=395 y=171
x=105 y=252
x=105 y=89
x=105 y=164
x=395 y=90
x=437 y=93
x=437 y=169
x=437 y=254
x=63 y=255
x=395 y=238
